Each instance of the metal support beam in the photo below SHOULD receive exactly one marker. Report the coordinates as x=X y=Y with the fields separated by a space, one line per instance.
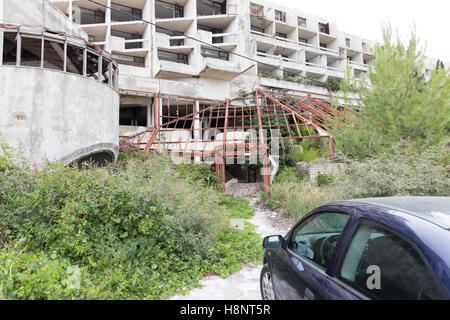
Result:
x=100 y=66
x=85 y=62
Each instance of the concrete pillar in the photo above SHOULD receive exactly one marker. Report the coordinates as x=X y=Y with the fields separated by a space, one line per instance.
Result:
x=100 y=66
x=108 y=28
x=70 y=10
x=150 y=114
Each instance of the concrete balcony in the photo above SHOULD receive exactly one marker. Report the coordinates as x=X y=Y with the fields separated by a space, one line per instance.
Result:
x=315 y=70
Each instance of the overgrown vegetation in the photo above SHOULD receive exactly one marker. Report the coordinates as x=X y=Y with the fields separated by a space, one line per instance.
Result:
x=398 y=104
x=144 y=229
x=395 y=144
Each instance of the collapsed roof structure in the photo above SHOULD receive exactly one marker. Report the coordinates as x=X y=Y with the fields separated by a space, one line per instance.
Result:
x=261 y=125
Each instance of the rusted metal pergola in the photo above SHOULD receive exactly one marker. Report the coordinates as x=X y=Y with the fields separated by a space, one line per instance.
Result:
x=256 y=125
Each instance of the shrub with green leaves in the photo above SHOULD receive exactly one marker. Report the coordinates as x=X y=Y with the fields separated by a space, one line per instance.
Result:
x=143 y=230
x=396 y=104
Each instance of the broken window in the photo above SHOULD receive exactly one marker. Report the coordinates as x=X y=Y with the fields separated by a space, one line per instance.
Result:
x=135 y=116
x=211 y=8
x=92 y=65
x=9 y=48
x=31 y=52
x=216 y=54
x=165 y=10
x=74 y=59
x=174 y=57
x=124 y=13
x=54 y=55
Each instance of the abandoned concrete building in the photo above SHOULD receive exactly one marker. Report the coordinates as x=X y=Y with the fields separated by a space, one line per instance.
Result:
x=59 y=98
x=194 y=75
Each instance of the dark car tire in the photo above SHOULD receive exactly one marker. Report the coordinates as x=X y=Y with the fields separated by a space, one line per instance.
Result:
x=266 y=284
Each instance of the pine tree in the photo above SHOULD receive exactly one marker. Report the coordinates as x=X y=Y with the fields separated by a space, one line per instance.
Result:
x=398 y=104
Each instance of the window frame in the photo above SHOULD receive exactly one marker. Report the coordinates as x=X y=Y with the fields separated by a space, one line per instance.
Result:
x=340 y=241
x=336 y=277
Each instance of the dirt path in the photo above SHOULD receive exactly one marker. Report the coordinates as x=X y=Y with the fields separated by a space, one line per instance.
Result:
x=243 y=285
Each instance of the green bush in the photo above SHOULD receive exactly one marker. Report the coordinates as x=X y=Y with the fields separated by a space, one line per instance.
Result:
x=401 y=172
x=143 y=230
x=323 y=179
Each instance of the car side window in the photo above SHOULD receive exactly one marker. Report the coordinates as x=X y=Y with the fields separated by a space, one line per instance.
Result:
x=316 y=238
x=384 y=266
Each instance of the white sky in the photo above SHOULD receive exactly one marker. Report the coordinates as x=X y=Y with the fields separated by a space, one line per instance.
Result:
x=365 y=18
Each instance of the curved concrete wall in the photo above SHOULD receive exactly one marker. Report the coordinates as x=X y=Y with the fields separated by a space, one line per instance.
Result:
x=57 y=116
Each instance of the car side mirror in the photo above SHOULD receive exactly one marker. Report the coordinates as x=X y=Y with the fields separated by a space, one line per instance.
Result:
x=273 y=242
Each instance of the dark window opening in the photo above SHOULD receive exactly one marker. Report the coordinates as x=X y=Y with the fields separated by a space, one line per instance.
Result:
x=135 y=116
x=174 y=112
x=347 y=42
x=302 y=40
x=324 y=28
x=89 y=16
x=54 y=55
x=216 y=54
x=129 y=13
x=9 y=48
x=281 y=35
x=129 y=60
x=92 y=65
x=74 y=60
x=257 y=29
x=174 y=57
x=31 y=52
x=323 y=45
x=164 y=10
x=211 y=8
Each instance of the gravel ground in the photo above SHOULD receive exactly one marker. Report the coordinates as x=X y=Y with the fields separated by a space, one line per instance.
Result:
x=243 y=285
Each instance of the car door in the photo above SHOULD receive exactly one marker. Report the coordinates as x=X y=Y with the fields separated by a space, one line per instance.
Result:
x=299 y=268
x=380 y=264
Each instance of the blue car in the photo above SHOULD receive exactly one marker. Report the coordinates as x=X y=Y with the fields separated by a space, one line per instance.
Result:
x=376 y=249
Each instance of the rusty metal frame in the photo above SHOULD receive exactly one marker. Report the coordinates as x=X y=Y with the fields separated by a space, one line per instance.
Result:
x=284 y=113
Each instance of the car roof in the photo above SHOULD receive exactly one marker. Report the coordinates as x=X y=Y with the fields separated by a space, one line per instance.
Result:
x=433 y=209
